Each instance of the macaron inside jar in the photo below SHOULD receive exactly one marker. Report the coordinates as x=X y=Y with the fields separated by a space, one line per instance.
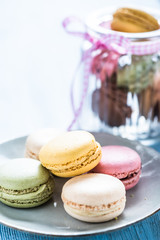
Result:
x=133 y=21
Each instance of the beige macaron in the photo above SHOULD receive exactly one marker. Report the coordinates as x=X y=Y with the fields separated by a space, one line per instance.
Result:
x=94 y=197
x=38 y=139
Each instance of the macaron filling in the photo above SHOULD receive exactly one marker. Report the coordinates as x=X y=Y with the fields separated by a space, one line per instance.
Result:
x=130 y=175
x=27 y=196
x=129 y=180
x=30 y=154
x=126 y=176
x=85 y=210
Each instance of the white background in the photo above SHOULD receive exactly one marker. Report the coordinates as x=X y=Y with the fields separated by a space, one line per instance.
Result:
x=37 y=61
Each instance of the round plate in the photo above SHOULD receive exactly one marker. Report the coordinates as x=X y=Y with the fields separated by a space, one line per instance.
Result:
x=51 y=219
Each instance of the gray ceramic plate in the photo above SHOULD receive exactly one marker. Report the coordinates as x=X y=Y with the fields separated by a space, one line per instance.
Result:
x=51 y=219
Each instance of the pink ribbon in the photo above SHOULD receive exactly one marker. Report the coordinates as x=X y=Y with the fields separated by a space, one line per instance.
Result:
x=107 y=49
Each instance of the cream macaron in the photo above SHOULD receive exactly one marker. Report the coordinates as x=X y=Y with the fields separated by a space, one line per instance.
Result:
x=71 y=154
x=38 y=139
x=94 y=197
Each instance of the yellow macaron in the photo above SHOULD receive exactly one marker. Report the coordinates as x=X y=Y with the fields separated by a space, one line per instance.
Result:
x=71 y=154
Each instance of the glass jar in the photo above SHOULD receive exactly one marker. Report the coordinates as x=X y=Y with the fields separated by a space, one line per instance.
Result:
x=126 y=101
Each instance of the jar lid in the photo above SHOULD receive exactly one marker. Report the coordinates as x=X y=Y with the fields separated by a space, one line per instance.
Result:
x=99 y=22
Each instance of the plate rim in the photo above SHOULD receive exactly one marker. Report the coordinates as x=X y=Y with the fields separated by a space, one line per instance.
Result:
x=80 y=235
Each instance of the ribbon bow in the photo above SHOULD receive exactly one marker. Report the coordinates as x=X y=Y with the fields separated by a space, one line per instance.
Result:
x=100 y=59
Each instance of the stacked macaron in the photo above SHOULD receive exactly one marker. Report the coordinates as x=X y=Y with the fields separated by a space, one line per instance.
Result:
x=133 y=20
x=90 y=197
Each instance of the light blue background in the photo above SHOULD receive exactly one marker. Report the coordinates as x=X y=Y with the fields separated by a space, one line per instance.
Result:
x=37 y=61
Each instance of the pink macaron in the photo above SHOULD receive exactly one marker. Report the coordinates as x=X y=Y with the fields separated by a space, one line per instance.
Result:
x=121 y=162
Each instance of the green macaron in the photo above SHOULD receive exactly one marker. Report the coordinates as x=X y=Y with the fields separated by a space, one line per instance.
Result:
x=25 y=183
